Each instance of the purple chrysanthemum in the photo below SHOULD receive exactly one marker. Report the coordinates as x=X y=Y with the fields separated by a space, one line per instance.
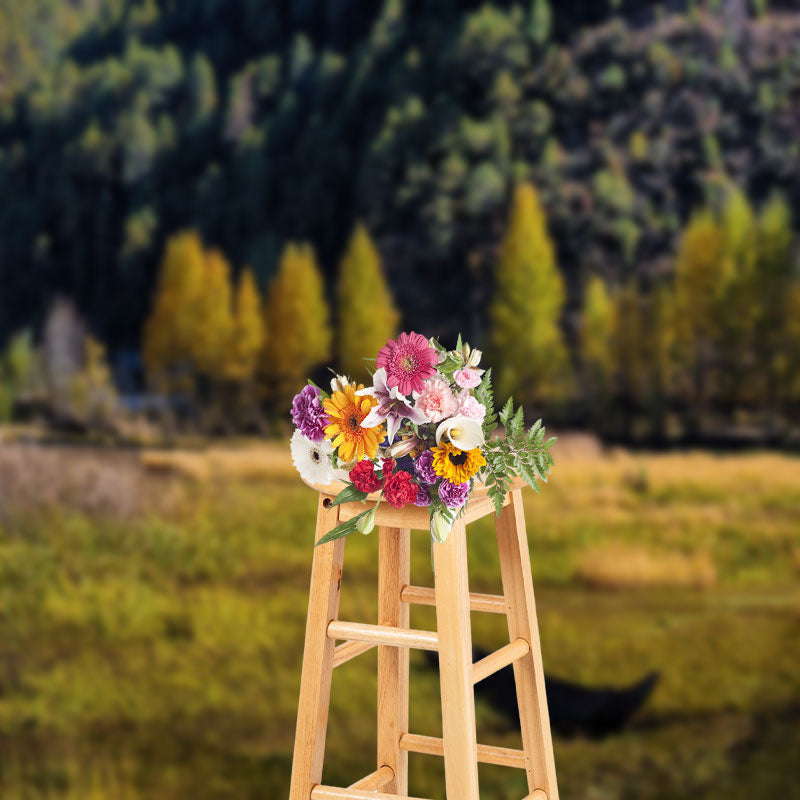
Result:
x=423 y=466
x=454 y=495
x=423 y=497
x=308 y=414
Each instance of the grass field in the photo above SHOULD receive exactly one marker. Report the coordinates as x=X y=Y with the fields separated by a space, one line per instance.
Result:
x=152 y=610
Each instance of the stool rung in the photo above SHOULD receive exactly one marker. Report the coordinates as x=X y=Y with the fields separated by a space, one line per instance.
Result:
x=422 y=596
x=344 y=652
x=320 y=792
x=536 y=794
x=375 y=780
x=487 y=753
x=506 y=655
x=383 y=634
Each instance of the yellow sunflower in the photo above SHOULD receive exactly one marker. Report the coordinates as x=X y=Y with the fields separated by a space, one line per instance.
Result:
x=457 y=466
x=346 y=412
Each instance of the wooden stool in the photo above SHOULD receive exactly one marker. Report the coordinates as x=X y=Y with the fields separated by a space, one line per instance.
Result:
x=453 y=641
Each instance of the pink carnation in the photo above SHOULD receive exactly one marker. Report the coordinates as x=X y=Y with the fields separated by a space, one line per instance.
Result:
x=468 y=406
x=408 y=362
x=467 y=378
x=437 y=400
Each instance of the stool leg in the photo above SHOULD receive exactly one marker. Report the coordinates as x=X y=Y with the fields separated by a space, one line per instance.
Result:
x=315 y=681
x=515 y=565
x=394 y=572
x=455 y=665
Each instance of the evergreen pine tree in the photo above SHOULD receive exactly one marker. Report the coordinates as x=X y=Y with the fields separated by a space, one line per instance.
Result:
x=596 y=345
x=526 y=339
x=739 y=307
x=297 y=323
x=366 y=315
x=247 y=338
x=776 y=280
x=213 y=320
x=168 y=339
x=701 y=277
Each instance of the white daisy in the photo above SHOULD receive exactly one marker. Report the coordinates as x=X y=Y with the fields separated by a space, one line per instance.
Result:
x=312 y=459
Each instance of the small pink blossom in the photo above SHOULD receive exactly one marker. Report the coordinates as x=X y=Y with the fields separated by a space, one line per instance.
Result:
x=436 y=400
x=468 y=406
x=468 y=377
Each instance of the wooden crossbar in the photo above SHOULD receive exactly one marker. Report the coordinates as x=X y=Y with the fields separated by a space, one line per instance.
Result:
x=383 y=634
x=487 y=754
x=506 y=655
x=375 y=780
x=344 y=652
x=422 y=596
x=320 y=792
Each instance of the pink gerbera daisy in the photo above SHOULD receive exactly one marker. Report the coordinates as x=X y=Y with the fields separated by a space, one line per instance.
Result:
x=408 y=362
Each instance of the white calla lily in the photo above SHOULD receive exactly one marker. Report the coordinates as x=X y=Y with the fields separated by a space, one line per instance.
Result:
x=461 y=431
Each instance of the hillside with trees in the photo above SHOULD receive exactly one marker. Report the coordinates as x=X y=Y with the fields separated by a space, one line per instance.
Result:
x=382 y=143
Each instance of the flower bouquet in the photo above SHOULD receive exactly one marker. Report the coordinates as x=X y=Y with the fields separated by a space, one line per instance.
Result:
x=424 y=433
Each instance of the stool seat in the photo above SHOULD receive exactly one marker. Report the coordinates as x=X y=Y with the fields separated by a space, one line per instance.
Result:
x=413 y=517
x=394 y=637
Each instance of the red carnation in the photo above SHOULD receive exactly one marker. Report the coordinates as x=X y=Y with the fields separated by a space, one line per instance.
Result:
x=388 y=466
x=399 y=491
x=364 y=478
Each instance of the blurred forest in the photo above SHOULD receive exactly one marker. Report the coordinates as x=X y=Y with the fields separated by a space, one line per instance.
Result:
x=604 y=194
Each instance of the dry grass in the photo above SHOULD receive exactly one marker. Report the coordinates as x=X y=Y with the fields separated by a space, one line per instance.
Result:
x=618 y=566
x=249 y=462
x=33 y=477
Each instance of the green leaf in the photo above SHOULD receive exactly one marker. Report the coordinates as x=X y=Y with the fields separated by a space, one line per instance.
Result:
x=322 y=392
x=343 y=529
x=507 y=411
x=517 y=422
x=348 y=495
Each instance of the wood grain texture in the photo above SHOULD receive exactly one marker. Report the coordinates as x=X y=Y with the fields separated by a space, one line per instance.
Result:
x=508 y=654
x=383 y=634
x=480 y=504
x=512 y=541
x=375 y=781
x=349 y=650
x=423 y=596
x=394 y=572
x=315 y=679
x=332 y=793
x=487 y=753
x=455 y=665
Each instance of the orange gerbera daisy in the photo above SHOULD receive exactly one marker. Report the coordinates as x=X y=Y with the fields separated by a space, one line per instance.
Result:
x=346 y=412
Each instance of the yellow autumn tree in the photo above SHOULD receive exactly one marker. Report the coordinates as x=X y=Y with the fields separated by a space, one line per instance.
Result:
x=366 y=315
x=702 y=274
x=526 y=339
x=247 y=337
x=740 y=305
x=596 y=344
x=169 y=331
x=297 y=323
x=213 y=318
x=774 y=337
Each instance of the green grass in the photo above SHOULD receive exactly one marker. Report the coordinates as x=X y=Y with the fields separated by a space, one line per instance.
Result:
x=157 y=655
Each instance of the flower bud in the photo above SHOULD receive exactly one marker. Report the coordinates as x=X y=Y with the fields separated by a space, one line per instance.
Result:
x=440 y=527
x=366 y=522
x=474 y=358
x=338 y=383
x=457 y=355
